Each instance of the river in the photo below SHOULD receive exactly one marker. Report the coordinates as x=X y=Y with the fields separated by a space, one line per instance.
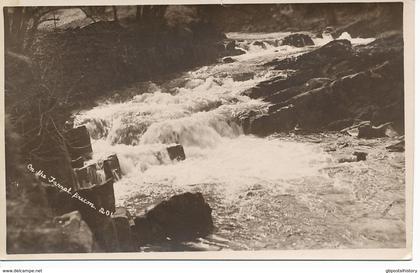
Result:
x=284 y=191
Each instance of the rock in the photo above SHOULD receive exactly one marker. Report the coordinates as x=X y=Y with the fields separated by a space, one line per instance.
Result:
x=78 y=162
x=52 y=158
x=337 y=84
x=144 y=232
x=298 y=40
x=176 y=152
x=236 y=51
x=283 y=119
x=369 y=131
x=77 y=231
x=397 y=147
x=98 y=217
x=232 y=50
x=231 y=45
x=78 y=142
x=228 y=60
x=123 y=224
x=360 y=156
x=319 y=34
x=88 y=177
x=183 y=217
x=112 y=169
x=244 y=76
x=336 y=48
x=99 y=173
x=259 y=43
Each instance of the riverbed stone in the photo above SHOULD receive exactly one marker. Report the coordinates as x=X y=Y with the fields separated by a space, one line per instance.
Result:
x=123 y=223
x=182 y=217
x=176 y=152
x=298 y=40
x=360 y=156
x=228 y=60
x=397 y=147
x=243 y=76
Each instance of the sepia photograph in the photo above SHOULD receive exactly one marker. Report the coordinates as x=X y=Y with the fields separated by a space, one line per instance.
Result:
x=188 y=128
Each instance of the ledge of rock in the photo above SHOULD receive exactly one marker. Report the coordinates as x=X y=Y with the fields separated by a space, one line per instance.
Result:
x=334 y=86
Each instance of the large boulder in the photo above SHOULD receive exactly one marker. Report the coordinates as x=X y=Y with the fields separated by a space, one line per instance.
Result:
x=298 y=40
x=123 y=222
x=176 y=152
x=78 y=233
x=260 y=43
x=183 y=217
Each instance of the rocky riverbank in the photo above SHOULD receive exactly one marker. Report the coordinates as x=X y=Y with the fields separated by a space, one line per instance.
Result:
x=333 y=87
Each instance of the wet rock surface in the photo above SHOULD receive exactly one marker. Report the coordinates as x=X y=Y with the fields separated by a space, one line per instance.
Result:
x=298 y=40
x=182 y=217
x=339 y=82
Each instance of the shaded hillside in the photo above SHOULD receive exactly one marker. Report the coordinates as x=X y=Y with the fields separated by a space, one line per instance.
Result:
x=360 y=20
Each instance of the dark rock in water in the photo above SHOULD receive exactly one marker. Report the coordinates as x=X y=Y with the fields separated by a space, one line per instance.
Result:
x=123 y=223
x=244 y=76
x=144 y=232
x=259 y=43
x=228 y=60
x=96 y=210
x=231 y=45
x=397 y=147
x=176 y=152
x=232 y=50
x=183 y=217
x=366 y=131
x=88 y=177
x=283 y=119
x=360 y=155
x=236 y=51
x=369 y=131
x=298 y=40
x=337 y=48
x=98 y=174
x=78 y=142
x=112 y=169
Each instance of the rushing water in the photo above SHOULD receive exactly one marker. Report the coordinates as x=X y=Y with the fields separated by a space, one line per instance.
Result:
x=277 y=192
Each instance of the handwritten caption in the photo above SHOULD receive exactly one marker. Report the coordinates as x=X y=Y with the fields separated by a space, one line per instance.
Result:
x=74 y=195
